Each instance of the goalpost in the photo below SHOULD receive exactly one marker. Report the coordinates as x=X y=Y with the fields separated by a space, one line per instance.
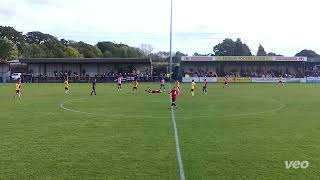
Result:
x=170 y=64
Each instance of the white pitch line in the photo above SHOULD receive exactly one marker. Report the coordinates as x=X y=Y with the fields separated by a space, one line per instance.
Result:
x=176 y=137
x=173 y=115
x=62 y=105
x=72 y=110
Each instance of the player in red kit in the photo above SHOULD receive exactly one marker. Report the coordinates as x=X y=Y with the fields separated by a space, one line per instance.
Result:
x=174 y=93
x=205 y=85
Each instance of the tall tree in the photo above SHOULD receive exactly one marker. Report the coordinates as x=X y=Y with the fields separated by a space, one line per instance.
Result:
x=97 y=51
x=120 y=52
x=110 y=49
x=36 y=37
x=177 y=56
x=13 y=35
x=307 y=53
x=261 y=51
x=146 y=49
x=55 y=49
x=228 y=47
x=8 y=50
x=71 y=52
x=35 y=51
x=273 y=54
x=106 y=46
x=64 y=42
x=107 y=54
x=87 y=50
x=197 y=54
x=164 y=55
x=241 y=49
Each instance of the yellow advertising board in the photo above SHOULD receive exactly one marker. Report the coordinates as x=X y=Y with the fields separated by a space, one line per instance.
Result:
x=244 y=58
x=243 y=79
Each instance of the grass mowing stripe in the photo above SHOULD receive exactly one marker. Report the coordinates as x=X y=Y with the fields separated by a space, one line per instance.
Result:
x=176 y=137
x=62 y=105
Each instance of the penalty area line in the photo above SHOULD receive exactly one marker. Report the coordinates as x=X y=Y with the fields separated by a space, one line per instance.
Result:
x=176 y=137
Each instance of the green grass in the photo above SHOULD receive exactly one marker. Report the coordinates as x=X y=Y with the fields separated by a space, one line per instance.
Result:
x=246 y=131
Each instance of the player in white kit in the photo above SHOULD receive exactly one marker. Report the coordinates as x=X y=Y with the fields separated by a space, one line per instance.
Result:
x=119 y=80
x=162 y=84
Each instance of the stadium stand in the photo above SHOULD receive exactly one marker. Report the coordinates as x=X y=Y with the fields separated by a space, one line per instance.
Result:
x=4 y=71
x=265 y=66
x=313 y=67
x=245 y=68
x=81 y=70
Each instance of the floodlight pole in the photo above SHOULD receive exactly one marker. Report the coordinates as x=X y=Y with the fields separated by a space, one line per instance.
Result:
x=170 y=68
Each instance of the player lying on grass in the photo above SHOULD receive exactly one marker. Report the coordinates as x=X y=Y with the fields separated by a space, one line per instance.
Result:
x=174 y=93
x=18 y=89
x=153 y=91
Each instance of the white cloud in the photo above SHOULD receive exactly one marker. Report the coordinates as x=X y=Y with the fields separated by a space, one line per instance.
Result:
x=281 y=26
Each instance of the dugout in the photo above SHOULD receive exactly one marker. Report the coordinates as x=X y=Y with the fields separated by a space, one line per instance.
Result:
x=313 y=67
x=4 y=71
x=243 y=66
x=51 y=69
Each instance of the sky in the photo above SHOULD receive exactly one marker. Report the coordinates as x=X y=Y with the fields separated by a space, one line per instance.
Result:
x=281 y=26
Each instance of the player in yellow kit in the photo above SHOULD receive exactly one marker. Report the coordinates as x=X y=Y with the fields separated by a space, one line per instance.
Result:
x=177 y=84
x=66 y=87
x=135 y=86
x=193 y=87
x=18 y=90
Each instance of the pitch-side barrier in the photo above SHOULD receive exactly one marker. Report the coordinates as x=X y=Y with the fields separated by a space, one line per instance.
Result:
x=252 y=79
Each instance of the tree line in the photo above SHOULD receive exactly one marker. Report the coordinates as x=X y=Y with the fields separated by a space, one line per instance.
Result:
x=35 y=44
x=229 y=47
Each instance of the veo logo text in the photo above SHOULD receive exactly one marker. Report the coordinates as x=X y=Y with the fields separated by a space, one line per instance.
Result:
x=296 y=164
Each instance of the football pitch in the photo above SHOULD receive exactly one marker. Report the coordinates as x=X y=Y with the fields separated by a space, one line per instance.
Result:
x=246 y=131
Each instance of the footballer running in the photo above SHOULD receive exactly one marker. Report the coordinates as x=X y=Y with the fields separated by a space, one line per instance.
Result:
x=177 y=84
x=94 y=83
x=193 y=87
x=225 y=82
x=205 y=86
x=66 y=86
x=174 y=93
x=135 y=86
x=18 y=90
x=162 y=85
x=119 y=80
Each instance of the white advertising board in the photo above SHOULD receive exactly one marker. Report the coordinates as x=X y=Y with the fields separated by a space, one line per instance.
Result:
x=199 y=79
